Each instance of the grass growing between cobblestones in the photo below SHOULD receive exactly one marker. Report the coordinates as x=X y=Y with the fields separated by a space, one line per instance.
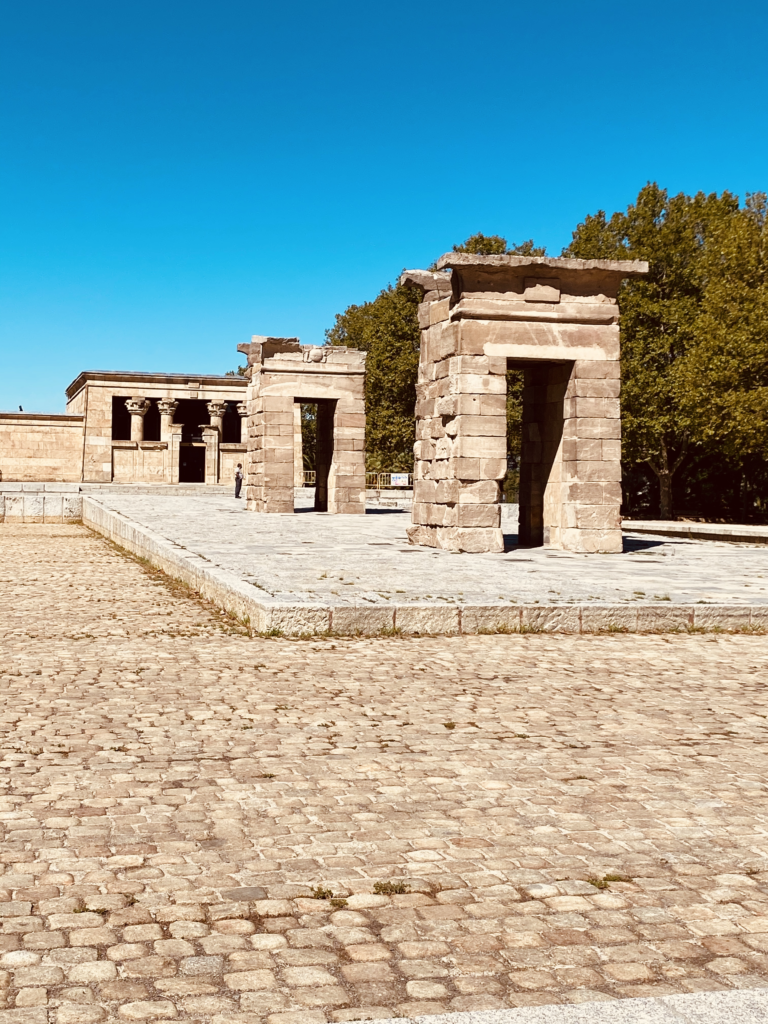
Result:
x=175 y=791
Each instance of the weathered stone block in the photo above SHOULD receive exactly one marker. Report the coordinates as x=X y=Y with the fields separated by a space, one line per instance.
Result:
x=477 y=384
x=476 y=426
x=591 y=471
x=597 y=369
x=594 y=517
x=580 y=492
x=488 y=447
x=591 y=408
x=471 y=539
x=591 y=541
x=482 y=492
x=611 y=450
x=478 y=515
x=589 y=450
x=412 y=618
x=596 y=387
x=493 y=469
x=563 y=619
x=590 y=428
x=491 y=619
x=424 y=449
x=464 y=469
x=439 y=311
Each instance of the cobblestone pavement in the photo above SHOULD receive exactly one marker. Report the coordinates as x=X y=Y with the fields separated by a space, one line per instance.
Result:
x=362 y=560
x=578 y=818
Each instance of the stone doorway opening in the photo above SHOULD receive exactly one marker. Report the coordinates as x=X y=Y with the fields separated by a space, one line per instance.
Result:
x=536 y=392
x=193 y=415
x=314 y=444
x=192 y=464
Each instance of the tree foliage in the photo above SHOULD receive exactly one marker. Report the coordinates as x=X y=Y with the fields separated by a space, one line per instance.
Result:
x=387 y=329
x=496 y=245
x=726 y=383
x=694 y=360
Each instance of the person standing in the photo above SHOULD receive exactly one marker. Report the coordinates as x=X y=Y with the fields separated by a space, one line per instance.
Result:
x=238 y=479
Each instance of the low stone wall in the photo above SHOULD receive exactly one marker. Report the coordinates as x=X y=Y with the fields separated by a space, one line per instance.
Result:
x=40 y=503
x=263 y=613
x=40 y=447
x=730 y=532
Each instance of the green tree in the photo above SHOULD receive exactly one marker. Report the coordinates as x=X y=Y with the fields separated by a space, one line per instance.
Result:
x=660 y=318
x=387 y=329
x=727 y=375
x=483 y=245
x=496 y=245
x=727 y=379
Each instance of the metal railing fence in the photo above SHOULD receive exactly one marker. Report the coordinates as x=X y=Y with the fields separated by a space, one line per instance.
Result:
x=387 y=481
x=373 y=481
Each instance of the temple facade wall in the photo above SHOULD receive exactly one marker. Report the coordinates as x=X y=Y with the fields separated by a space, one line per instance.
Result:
x=126 y=428
x=106 y=458
x=40 y=447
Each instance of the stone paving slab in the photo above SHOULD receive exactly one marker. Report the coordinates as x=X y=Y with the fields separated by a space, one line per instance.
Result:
x=310 y=573
x=577 y=818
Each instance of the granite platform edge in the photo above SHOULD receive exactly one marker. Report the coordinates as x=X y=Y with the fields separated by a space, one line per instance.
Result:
x=264 y=614
x=731 y=532
x=745 y=1006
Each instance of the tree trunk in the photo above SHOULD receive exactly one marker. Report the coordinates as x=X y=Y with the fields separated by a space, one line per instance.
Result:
x=665 y=472
x=665 y=494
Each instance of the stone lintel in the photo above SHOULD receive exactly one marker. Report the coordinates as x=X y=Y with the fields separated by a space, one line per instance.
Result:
x=460 y=260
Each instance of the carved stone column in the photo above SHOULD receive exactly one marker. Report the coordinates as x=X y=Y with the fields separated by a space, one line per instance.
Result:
x=242 y=408
x=137 y=407
x=173 y=453
x=216 y=411
x=167 y=407
x=211 y=437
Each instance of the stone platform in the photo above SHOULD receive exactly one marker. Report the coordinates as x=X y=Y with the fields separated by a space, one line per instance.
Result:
x=311 y=573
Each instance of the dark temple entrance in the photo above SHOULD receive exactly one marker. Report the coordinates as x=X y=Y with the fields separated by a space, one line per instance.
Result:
x=192 y=464
x=193 y=415
x=317 y=434
x=538 y=438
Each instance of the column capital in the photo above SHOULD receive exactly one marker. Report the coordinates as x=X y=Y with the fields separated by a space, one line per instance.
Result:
x=137 y=406
x=167 y=406
x=242 y=408
x=216 y=408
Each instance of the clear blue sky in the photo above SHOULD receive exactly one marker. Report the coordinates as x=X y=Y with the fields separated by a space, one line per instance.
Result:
x=178 y=175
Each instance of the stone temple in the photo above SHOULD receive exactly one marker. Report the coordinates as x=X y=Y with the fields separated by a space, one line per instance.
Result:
x=282 y=375
x=558 y=321
x=122 y=428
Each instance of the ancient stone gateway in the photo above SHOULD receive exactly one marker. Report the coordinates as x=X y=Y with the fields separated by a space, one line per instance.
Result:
x=283 y=374
x=557 y=319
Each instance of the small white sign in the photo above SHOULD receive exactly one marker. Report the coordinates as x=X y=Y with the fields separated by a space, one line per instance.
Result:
x=399 y=479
